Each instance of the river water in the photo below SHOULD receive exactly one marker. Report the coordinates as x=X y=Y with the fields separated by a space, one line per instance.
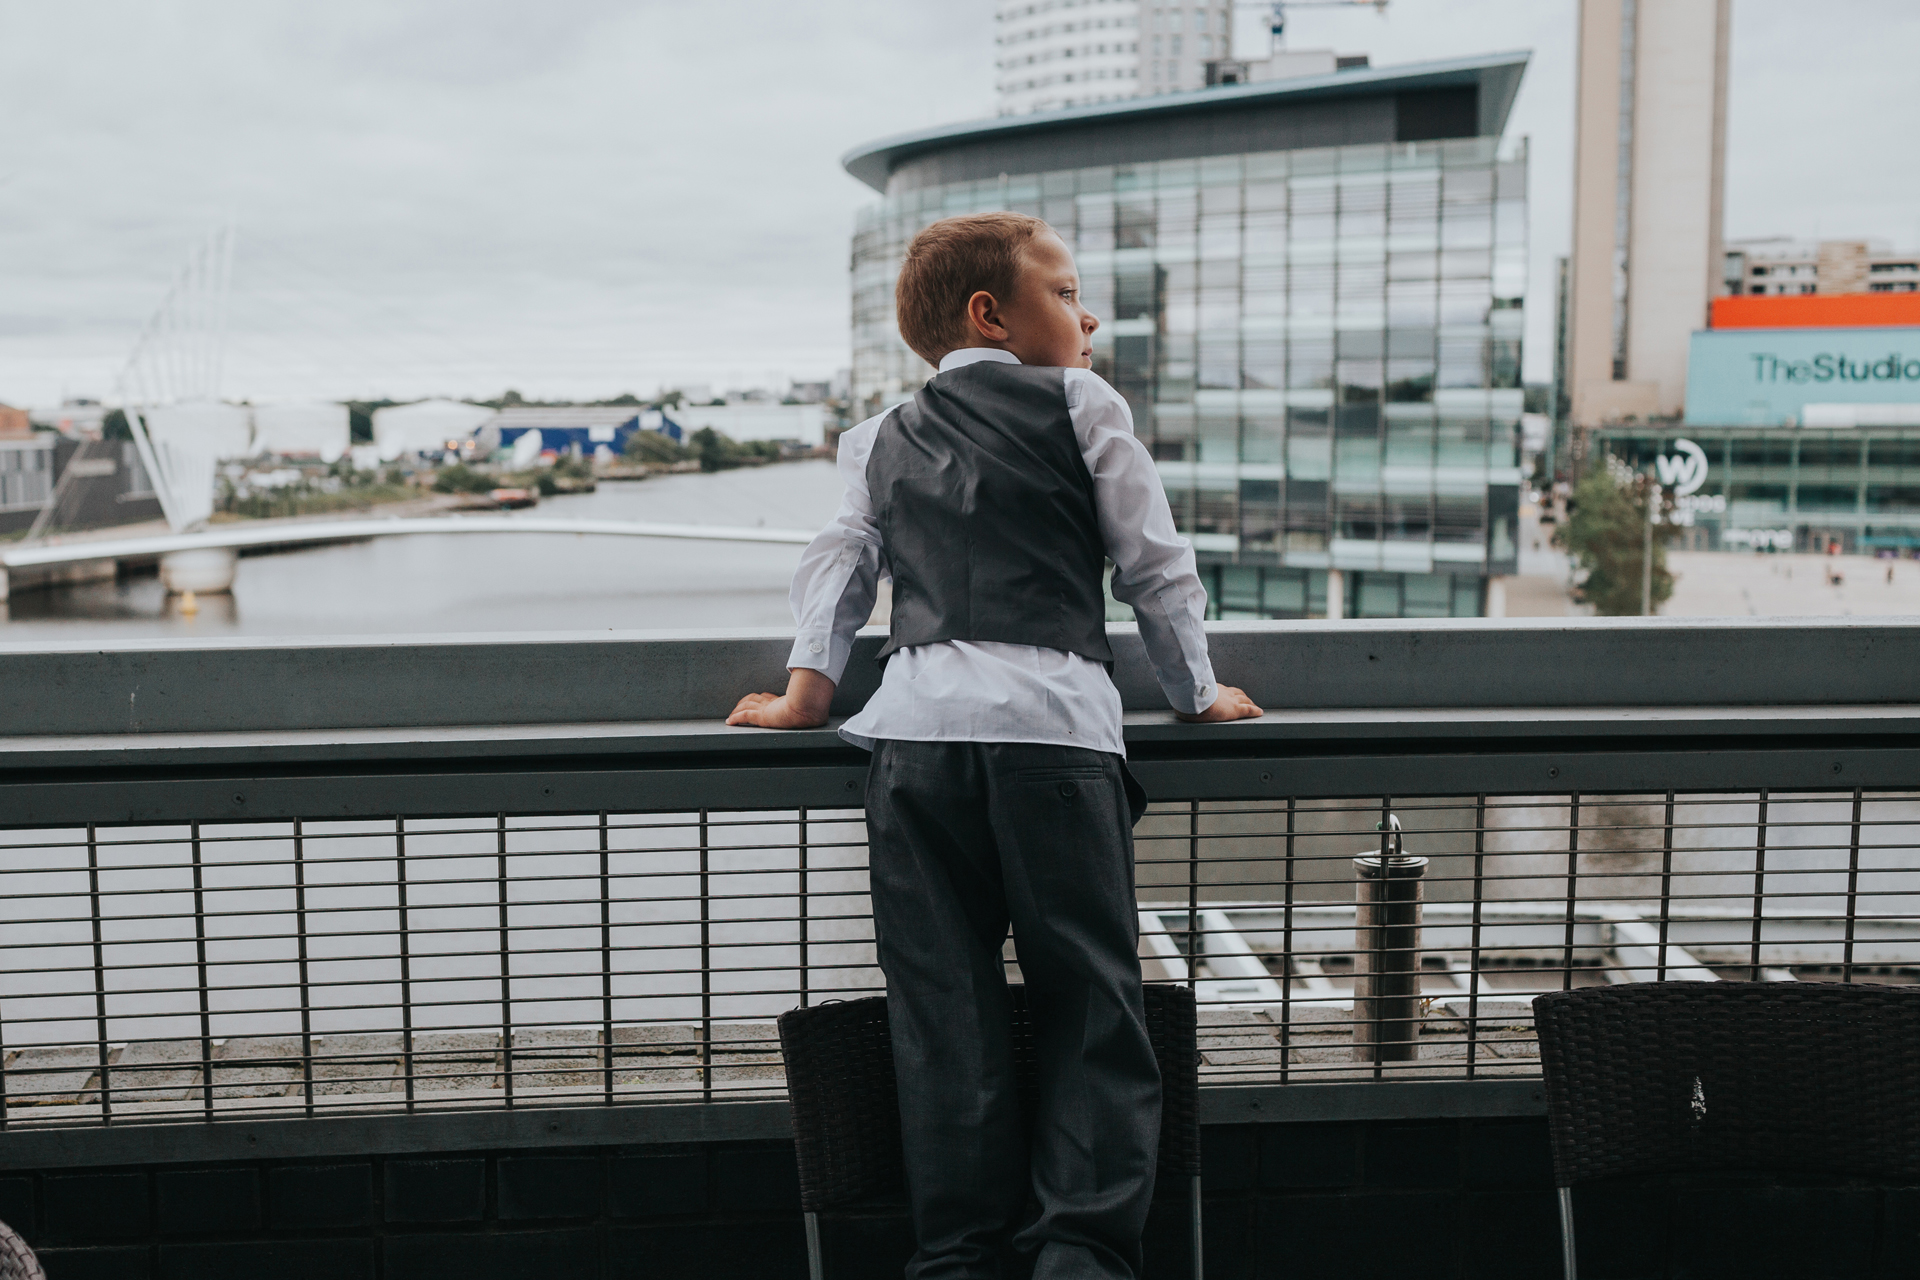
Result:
x=487 y=582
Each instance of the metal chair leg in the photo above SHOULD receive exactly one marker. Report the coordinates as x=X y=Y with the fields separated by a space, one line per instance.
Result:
x=1566 y=1232
x=1199 y=1266
x=814 y=1270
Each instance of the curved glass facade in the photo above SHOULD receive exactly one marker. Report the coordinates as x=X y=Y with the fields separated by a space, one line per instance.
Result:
x=1321 y=348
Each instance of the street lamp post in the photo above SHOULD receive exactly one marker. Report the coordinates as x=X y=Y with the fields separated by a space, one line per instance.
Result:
x=1646 y=552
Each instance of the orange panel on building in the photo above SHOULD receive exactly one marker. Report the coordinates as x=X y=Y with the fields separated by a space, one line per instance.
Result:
x=1818 y=311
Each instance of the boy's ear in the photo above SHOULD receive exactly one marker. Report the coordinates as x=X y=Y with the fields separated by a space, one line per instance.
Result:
x=983 y=316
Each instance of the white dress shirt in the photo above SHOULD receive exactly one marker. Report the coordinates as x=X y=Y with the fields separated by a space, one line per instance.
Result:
x=984 y=691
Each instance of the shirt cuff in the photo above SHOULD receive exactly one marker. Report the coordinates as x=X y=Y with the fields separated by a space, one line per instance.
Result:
x=813 y=652
x=1205 y=694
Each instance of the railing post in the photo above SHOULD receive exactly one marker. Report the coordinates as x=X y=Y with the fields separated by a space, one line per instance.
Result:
x=406 y=957
x=200 y=969
x=1386 y=953
x=1853 y=889
x=1196 y=949
x=306 y=986
x=806 y=954
x=1286 y=950
x=506 y=964
x=606 y=967
x=99 y=977
x=706 y=967
x=1473 y=954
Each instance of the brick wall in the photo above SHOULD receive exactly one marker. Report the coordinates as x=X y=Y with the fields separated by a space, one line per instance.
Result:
x=1436 y=1198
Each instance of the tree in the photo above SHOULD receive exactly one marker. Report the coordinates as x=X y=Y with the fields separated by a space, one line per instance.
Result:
x=715 y=451
x=1606 y=533
x=654 y=446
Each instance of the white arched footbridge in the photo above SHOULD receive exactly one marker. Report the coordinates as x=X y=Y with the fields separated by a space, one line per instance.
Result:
x=204 y=560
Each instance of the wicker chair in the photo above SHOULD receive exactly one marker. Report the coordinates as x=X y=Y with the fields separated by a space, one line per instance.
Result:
x=846 y=1110
x=16 y=1260
x=1779 y=1078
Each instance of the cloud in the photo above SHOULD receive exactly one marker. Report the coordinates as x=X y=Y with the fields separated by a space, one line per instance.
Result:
x=578 y=197
x=564 y=197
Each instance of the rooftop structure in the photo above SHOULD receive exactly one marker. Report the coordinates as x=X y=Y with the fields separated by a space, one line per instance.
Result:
x=1052 y=54
x=74 y=417
x=1785 y=267
x=1311 y=296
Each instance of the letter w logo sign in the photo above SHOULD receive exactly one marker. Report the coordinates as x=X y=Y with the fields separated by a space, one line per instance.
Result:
x=1685 y=471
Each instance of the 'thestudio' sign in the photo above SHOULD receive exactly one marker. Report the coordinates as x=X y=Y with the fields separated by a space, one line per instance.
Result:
x=1767 y=377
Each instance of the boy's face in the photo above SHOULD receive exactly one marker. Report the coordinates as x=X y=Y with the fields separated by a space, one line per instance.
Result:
x=1043 y=323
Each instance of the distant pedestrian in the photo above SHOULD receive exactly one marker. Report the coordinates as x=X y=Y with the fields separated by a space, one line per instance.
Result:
x=998 y=790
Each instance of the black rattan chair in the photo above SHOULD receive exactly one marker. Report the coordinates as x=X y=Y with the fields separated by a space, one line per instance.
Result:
x=1782 y=1078
x=16 y=1260
x=846 y=1109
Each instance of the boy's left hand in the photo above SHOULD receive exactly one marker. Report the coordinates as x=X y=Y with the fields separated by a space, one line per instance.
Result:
x=1229 y=703
x=803 y=706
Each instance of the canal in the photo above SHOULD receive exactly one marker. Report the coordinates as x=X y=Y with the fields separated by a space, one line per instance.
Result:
x=478 y=583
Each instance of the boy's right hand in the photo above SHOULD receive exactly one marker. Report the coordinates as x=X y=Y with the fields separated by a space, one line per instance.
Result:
x=1229 y=703
x=803 y=706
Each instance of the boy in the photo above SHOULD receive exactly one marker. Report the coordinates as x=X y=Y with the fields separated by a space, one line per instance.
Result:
x=998 y=790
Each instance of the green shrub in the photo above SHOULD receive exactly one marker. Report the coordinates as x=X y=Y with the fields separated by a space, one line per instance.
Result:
x=1606 y=532
x=718 y=451
x=656 y=448
x=461 y=478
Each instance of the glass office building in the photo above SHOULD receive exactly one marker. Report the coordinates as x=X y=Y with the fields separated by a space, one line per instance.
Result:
x=1321 y=343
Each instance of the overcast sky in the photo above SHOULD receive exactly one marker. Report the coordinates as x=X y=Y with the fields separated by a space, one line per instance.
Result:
x=582 y=197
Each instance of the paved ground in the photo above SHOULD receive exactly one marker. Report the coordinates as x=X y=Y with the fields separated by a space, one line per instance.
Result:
x=1539 y=590
x=1722 y=585
x=1713 y=584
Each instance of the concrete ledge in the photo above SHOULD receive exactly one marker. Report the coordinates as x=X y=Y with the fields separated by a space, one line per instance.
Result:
x=274 y=685
x=661 y=1123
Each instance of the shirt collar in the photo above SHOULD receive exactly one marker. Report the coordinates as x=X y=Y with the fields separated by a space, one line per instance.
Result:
x=970 y=355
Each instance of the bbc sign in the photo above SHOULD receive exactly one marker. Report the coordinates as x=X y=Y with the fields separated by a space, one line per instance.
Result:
x=1770 y=377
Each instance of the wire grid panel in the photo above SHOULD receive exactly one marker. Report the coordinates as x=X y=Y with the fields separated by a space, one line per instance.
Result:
x=409 y=963
x=1257 y=905
x=324 y=967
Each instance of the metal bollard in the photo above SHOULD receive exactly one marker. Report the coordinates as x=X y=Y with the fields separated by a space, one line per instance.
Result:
x=1386 y=953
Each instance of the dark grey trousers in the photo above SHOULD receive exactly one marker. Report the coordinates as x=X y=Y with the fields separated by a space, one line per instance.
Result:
x=965 y=838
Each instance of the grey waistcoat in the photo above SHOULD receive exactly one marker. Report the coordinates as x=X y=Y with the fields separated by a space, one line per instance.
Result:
x=987 y=513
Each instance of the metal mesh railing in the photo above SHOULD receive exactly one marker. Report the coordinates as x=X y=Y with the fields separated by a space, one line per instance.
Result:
x=324 y=967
